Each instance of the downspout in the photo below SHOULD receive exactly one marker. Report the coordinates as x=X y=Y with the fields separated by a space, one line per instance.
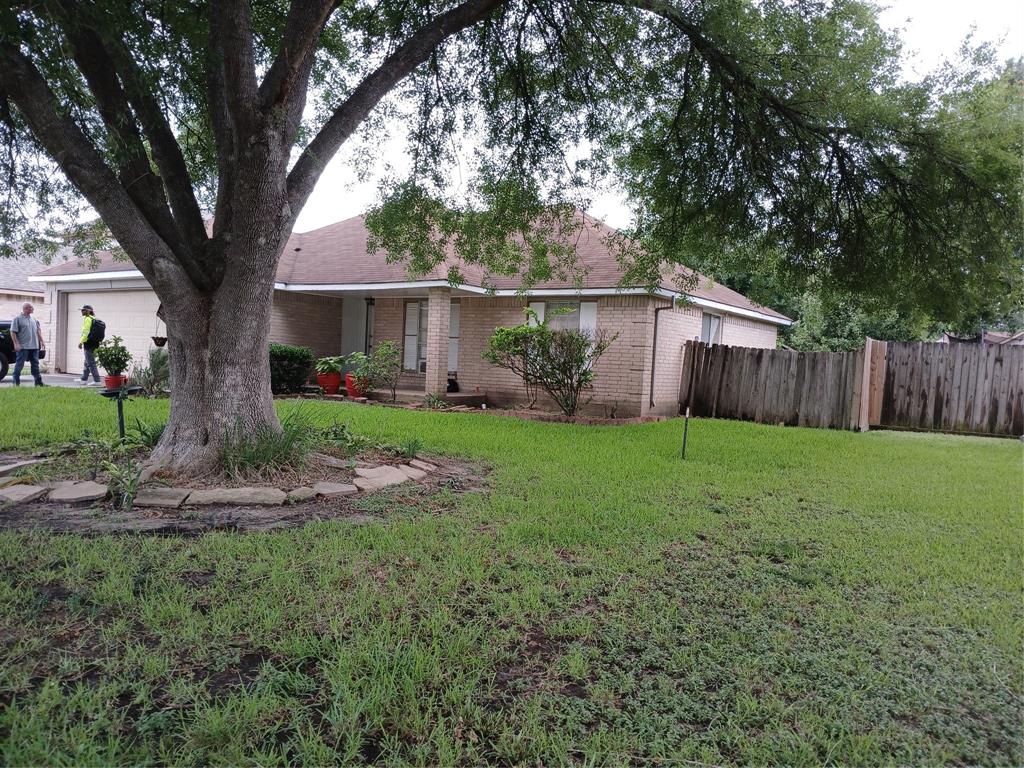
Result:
x=654 y=346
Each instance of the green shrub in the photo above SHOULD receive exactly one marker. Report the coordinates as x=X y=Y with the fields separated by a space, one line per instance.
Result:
x=155 y=377
x=386 y=366
x=247 y=454
x=289 y=368
x=560 y=362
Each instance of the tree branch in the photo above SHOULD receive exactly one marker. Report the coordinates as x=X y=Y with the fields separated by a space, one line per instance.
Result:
x=372 y=89
x=83 y=164
x=306 y=20
x=164 y=146
x=232 y=42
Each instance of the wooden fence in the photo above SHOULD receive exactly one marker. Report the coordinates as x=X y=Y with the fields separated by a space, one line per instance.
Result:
x=949 y=387
x=954 y=387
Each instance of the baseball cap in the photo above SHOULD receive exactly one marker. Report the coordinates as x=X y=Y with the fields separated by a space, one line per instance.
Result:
x=84 y=307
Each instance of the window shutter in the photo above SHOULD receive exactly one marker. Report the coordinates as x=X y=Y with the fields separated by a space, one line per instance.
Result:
x=412 y=328
x=453 y=338
x=538 y=307
x=588 y=317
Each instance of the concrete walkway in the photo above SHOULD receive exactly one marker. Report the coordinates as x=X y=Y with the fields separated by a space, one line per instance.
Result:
x=52 y=379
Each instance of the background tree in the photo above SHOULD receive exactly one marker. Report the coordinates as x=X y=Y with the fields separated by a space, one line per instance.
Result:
x=783 y=122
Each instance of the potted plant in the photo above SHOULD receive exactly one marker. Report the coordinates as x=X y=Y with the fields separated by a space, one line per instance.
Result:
x=115 y=359
x=359 y=379
x=328 y=374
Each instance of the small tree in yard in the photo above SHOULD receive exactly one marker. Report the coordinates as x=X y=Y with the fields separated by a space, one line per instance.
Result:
x=561 y=362
x=509 y=348
x=386 y=367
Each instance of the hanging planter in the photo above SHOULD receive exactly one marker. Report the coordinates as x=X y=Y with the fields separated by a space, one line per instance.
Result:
x=159 y=340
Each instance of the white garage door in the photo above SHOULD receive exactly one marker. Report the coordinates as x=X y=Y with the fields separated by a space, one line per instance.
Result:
x=128 y=314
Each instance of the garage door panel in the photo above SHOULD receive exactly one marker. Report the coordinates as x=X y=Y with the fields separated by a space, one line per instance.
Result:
x=128 y=314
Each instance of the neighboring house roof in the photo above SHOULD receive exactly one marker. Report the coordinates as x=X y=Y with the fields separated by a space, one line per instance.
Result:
x=15 y=274
x=1001 y=338
x=334 y=257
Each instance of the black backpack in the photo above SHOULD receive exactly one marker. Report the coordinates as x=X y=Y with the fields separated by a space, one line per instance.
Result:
x=97 y=332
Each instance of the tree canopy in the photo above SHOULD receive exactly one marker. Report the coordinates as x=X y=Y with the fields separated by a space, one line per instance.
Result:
x=781 y=122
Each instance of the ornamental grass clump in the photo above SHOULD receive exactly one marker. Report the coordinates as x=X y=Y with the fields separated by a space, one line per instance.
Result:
x=249 y=454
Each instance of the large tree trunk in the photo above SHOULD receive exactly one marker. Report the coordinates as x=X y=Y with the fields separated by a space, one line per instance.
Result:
x=219 y=361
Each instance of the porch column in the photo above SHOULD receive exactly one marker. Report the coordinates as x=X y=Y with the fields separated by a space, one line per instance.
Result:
x=439 y=308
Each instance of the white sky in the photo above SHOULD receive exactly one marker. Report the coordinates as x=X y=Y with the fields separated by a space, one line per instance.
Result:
x=932 y=30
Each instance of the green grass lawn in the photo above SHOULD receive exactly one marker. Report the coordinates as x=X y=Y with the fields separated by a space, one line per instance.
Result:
x=784 y=596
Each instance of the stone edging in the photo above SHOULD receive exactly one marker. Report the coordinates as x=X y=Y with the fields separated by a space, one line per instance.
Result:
x=367 y=479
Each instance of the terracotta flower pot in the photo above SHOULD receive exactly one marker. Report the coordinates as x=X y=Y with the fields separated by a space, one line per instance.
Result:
x=114 y=382
x=331 y=382
x=352 y=386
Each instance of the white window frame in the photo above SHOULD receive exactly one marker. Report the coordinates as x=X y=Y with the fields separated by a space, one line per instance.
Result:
x=706 y=323
x=414 y=336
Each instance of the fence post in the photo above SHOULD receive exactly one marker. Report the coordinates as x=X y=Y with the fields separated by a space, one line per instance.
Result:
x=864 y=404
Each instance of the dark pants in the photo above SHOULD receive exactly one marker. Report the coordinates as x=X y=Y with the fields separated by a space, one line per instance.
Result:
x=90 y=366
x=32 y=355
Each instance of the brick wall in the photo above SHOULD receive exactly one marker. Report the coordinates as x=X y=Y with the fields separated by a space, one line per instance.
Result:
x=675 y=328
x=623 y=373
x=308 y=321
x=744 y=332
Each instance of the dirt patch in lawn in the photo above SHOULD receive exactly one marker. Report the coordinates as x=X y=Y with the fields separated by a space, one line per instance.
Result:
x=434 y=494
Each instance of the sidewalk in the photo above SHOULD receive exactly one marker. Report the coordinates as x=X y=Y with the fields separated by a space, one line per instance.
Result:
x=52 y=379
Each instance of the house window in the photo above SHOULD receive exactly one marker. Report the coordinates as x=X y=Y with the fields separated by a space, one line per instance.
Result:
x=414 y=356
x=563 y=315
x=711 y=329
x=414 y=345
x=567 y=315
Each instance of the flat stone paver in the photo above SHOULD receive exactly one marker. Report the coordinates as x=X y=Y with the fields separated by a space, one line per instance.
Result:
x=332 y=490
x=426 y=466
x=161 y=497
x=239 y=496
x=305 y=493
x=380 y=471
x=51 y=484
x=411 y=472
x=79 y=493
x=21 y=494
x=7 y=469
x=394 y=477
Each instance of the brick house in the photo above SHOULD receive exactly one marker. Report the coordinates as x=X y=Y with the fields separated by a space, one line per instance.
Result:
x=333 y=296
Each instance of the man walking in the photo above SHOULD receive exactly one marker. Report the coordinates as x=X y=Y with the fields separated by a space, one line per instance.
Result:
x=88 y=343
x=27 y=336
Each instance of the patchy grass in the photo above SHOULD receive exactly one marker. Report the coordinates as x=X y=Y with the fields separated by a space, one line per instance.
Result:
x=784 y=596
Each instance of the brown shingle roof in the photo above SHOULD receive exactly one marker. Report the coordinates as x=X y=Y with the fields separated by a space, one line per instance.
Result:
x=14 y=274
x=336 y=255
